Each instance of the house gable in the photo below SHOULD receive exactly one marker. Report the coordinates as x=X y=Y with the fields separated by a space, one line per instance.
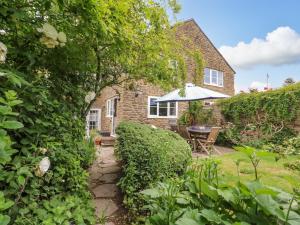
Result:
x=213 y=59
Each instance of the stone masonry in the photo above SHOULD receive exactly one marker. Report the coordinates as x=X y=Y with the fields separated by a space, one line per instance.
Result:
x=134 y=107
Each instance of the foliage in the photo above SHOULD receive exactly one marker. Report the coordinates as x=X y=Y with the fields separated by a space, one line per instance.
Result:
x=265 y=116
x=42 y=129
x=293 y=165
x=202 y=197
x=148 y=155
x=196 y=114
x=56 y=57
x=289 y=81
x=58 y=210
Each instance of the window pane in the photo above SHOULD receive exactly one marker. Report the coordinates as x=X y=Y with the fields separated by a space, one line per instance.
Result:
x=153 y=111
x=172 y=109
x=207 y=76
x=214 y=77
x=220 y=78
x=163 y=109
x=153 y=107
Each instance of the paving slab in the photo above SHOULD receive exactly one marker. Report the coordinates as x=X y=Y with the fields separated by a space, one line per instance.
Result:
x=105 y=207
x=109 y=178
x=105 y=191
x=111 y=169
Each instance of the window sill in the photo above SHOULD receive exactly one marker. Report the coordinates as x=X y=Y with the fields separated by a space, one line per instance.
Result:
x=161 y=117
x=215 y=85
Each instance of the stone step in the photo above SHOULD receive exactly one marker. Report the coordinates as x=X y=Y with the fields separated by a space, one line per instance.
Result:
x=105 y=191
x=105 y=207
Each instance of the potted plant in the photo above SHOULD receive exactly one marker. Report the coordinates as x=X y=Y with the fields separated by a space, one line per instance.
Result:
x=96 y=137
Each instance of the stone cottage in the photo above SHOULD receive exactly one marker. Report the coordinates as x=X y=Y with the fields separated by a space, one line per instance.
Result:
x=114 y=106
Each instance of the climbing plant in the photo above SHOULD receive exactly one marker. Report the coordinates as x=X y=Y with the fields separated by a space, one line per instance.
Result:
x=264 y=115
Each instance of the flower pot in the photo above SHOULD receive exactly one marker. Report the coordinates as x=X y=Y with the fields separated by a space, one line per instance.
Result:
x=97 y=141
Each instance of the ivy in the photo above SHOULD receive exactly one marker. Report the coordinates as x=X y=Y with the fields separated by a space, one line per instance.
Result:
x=267 y=113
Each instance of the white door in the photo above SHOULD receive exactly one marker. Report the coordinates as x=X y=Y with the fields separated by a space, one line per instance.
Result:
x=114 y=107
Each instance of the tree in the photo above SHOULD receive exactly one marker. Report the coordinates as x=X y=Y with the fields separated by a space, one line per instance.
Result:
x=56 y=56
x=107 y=42
x=288 y=81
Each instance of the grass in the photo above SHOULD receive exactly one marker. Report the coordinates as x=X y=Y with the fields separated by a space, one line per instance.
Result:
x=270 y=172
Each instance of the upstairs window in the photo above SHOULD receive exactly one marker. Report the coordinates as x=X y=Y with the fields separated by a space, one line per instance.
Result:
x=161 y=109
x=213 y=77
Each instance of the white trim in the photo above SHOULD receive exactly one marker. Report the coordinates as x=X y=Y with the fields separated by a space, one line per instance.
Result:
x=98 y=120
x=109 y=112
x=210 y=78
x=157 y=116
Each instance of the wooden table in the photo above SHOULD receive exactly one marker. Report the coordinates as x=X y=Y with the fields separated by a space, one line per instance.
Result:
x=198 y=132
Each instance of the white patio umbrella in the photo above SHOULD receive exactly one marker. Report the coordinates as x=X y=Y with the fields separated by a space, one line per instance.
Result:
x=192 y=93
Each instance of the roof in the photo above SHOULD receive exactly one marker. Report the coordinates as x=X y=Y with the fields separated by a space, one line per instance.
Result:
x=193 y=21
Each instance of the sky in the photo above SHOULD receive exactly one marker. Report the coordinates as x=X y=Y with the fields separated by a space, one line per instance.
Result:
x=257 y=37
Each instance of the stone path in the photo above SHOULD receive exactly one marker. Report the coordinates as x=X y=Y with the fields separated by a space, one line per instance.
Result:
x=104 y=174
x=221 y=149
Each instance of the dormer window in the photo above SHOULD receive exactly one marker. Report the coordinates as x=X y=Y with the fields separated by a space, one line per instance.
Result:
x=213 y=77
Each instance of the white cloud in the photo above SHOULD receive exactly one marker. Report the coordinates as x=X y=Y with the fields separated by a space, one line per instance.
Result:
x=258 y=85
x=281 y=46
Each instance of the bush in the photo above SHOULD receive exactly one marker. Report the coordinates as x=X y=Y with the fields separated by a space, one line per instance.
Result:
x=149 y=155
x=203 y=197
x=266 y=116
x=29 y=133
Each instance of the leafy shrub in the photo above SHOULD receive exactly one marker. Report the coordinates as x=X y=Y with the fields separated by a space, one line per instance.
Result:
x=58 y=210
x=202 y=197
x=148 y=155
x=29 y=133
x=197 y=114
x=270 y=113
x=293 y=165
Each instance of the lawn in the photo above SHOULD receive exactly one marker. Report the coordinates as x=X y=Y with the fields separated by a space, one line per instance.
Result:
x=270 y=172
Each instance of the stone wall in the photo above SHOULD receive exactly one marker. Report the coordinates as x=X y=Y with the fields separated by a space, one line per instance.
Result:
x=190 y=30
x=134 y=107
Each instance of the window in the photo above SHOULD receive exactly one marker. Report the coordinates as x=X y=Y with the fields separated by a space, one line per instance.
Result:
x=161 y=109
x=213 y=77
x=109 y=108
x=93 y=119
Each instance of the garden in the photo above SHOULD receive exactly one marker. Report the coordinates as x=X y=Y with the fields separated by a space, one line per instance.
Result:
x=57 y=56
x=258 y=183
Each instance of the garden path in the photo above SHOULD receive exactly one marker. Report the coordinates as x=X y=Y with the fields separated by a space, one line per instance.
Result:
x=221 y=149
x=104 y=175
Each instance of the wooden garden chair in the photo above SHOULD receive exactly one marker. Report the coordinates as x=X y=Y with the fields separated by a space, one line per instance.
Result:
x=208 y=144
x=183 y=132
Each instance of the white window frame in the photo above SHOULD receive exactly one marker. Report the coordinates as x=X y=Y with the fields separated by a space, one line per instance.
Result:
x=109 y=107
x=157 y=112
x=210 y=77
x=98 y=120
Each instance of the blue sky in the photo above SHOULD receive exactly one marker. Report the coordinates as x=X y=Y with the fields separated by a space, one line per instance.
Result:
x=228 y=22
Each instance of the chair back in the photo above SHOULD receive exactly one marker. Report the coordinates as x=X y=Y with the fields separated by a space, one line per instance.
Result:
x=182 y=130
x=212 y=137
x=174 y=128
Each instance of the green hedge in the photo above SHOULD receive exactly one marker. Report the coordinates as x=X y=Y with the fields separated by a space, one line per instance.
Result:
x=148 y=155
x=265 y=112
x=279 y=105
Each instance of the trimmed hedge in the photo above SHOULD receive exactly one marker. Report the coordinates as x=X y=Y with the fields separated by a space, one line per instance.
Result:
x=263 y=117
x=148 y=155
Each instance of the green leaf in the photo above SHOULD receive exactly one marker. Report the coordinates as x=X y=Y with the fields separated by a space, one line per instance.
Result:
x=153 y=193
x=13 y=125
x=188 y=221
x=4 y=219
x=211 y=216
x=21 y=180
